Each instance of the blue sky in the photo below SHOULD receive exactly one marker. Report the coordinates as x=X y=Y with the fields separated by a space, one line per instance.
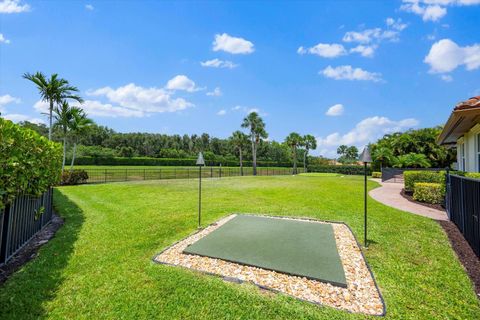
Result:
x=193 y=67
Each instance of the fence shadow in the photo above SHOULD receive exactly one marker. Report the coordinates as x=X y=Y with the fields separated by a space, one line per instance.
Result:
x=25 y=293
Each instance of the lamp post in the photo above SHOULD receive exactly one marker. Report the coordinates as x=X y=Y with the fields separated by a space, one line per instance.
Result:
x=365 y=157
x=200 y=163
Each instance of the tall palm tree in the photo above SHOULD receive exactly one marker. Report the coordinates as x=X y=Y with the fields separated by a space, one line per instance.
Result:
x=257 y=132
x=294 y=140
x=77 y=127
x=240 y=141
x=53 y=91
x=310 y=143
x=63 y=119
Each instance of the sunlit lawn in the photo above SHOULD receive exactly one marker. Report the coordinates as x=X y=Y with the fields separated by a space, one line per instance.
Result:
x=99 y=265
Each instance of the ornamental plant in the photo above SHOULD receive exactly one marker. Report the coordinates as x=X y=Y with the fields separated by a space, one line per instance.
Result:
x=29 y=163
x=428 y=192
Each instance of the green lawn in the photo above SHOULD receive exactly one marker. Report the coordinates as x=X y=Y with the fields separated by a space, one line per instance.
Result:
x=99 y=264
x=157 y=167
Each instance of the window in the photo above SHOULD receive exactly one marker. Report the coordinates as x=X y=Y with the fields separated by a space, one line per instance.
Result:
x=462 y=157
x=478 y=152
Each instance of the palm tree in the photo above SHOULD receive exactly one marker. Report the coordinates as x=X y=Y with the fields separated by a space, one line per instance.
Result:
x=63 y=119
x=257 y=132
x=310 y=143
x=294 y=140
x=53 y=91
x=412 y=160
x=77 y=126
x=239 y=140
x=383 y=155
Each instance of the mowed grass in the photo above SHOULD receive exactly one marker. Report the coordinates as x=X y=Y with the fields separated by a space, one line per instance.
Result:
x=99 y=265
x=158 y=167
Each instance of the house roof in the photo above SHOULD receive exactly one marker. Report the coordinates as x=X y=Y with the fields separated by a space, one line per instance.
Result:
x=464 y=116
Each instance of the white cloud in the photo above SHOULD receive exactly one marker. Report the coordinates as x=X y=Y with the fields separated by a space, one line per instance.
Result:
x=222 y=112
x=182 y=82
x=396 y=24
x=370 y=35
x=234 y=45
x=7 y=99
x=248 y=110
x=365 y=51
x=215 y=93
x=445 y=56
x=347 y=72
x=433 y=10
x=217 y=63
x=335 y=110
x=15 y=117
x=325 y=50
x=145 y=100
x=3 y=39
x=446 y=78
x=13 y=6
x=236 y=108
x=89 y=7
x=367 y=130
x=96 y=108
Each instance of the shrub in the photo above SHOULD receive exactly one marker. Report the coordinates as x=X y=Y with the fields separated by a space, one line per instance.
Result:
x=412 y=177
x=74 y=177
x=473 y=175
x=376 y=174
x=29 y=163
x=359 y=170
x=428 y=192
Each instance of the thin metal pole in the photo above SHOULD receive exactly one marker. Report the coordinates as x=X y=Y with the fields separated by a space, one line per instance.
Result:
x=365 y=201
x=199 y=196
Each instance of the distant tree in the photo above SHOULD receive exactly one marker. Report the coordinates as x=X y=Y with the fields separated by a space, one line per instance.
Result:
x=342 y=150
x=63 y=119
x=40 y=128
x=240 y=141
x=383 y=155
x=78 y=125
x=347 y=154
x=309 y=143
x=254 y=123
x=126 y=151
x=53 y=91
x=294 y=140
x=352 y=153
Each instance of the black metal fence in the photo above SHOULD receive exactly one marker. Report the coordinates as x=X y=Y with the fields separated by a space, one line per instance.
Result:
x=396 y=174
x=21 y=220
x=463 y=207
x=135 y=174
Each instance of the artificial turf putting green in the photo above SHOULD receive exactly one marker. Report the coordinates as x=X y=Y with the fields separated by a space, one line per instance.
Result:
x=295 y=247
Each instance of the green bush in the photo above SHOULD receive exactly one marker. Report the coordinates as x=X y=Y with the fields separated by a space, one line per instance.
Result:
x=429 y=192
x=147 y=161
x=376 y=174
x=29 y=163
x=414 y=176
x=74 y=177
x=473 y=175
x=344 y=169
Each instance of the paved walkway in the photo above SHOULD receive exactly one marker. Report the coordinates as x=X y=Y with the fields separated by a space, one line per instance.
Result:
x=389 y=194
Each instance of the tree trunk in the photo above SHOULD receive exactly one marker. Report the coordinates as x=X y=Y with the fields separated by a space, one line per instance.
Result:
x=305 y=161
x=294 y=160
x=50 y=120
x=64 y=152
x=241 y=162
x=73 y=155
x=254 y=157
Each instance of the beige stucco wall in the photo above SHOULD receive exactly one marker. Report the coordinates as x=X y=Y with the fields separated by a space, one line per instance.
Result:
x=471 y=150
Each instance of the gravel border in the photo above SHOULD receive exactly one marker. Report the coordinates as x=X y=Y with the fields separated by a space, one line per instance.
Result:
x=361 y=295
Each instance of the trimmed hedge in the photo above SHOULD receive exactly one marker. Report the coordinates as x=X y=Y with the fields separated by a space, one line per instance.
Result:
x=74 y=177
x=376 y=174
x=29 y=163
x=349 y=170
x=473 y=175
x=412 y=177
x=429 y=192
x=147 y=161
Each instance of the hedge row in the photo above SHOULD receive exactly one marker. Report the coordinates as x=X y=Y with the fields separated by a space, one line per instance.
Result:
x=412 y=177
x=29 y=163
x=350 y=170
x=146 y=161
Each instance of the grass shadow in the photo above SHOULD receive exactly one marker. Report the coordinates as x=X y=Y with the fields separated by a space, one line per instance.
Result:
x=25 y=294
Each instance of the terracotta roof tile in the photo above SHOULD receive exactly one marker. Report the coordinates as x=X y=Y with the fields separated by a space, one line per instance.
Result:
x=473 y=102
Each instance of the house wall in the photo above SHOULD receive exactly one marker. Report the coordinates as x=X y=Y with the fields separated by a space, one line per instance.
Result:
x=471 y=143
